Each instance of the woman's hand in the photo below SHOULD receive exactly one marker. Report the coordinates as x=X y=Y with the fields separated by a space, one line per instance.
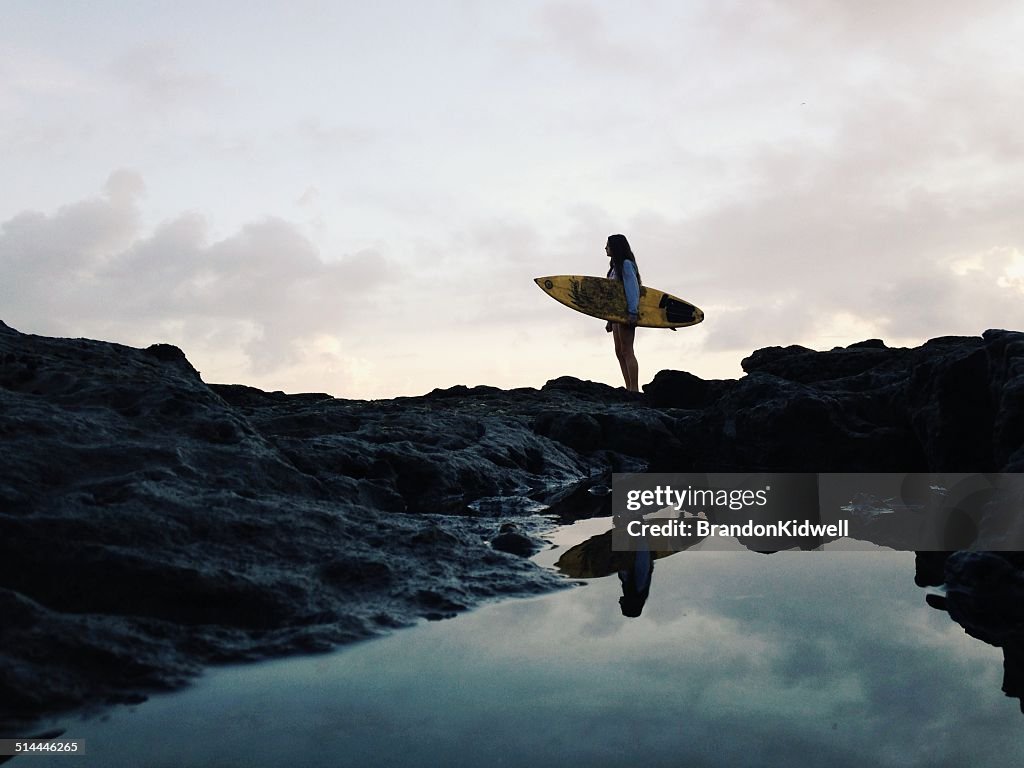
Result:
x=634 y=318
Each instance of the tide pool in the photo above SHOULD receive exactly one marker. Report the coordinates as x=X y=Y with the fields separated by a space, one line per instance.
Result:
x=737 y=659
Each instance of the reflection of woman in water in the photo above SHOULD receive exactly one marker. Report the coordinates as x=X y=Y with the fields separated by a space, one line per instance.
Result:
x=622 y=266
x=636 y=584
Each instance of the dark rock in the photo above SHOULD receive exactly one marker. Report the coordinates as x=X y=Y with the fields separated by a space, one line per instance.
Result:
x=151 y=524
x=638 y=432
x=460 y=390
x=807 y=366
x=579 y=431
x=355 y=574
x=950 y=405
x=592 y=389
x=250 y=397
x=168 y=353
x=985 y=595
x=511 y=540
x=951 y=410
x=679 y=389
x=1005 y=351
x=769 y=356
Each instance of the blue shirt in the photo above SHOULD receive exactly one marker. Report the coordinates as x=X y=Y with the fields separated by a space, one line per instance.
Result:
x=629 y=283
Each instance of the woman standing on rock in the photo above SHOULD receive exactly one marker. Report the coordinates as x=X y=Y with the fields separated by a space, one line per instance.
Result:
x=622 y=266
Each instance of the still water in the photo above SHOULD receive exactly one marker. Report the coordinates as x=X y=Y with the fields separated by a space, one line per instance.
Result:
x=737 y=659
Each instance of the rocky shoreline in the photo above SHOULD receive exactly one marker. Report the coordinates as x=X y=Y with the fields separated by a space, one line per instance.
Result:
x=151 y=524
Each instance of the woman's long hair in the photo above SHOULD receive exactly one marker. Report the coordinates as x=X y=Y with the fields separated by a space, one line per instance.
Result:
x=619 y=250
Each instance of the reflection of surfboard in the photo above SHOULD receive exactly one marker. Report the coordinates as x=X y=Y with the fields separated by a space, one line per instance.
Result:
x=604 y=298
x=595 y=558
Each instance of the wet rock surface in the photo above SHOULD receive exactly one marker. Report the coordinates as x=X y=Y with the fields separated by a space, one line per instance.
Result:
x=151 y=523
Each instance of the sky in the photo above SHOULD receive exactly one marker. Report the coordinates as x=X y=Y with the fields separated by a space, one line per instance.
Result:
x=354 y=198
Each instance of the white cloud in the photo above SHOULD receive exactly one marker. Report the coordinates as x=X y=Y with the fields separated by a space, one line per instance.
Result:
x=155 y=74
x=264 y=291
x=580 y=32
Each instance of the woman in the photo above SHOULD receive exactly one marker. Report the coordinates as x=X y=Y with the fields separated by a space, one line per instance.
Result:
x=622 y=266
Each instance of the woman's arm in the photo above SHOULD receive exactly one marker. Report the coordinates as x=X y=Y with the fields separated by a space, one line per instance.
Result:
x=631 y=285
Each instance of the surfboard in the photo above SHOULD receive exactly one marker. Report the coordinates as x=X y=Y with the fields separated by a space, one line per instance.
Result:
x=605 y=298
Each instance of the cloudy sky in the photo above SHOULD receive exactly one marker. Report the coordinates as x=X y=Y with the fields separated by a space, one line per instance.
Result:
x=354 y=197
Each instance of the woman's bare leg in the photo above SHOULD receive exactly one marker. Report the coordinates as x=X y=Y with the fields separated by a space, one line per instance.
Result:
x=619 y=352
x=631 y=365
x=624 y=336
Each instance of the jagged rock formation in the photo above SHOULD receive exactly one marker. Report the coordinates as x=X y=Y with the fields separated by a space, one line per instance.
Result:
x=951 y=405
x=151 y=523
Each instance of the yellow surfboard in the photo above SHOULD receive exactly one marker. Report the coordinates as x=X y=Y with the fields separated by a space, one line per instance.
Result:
x=606 y=299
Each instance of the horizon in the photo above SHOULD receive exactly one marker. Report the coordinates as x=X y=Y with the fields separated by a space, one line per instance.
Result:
x=355 y=200
x=538 y=386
